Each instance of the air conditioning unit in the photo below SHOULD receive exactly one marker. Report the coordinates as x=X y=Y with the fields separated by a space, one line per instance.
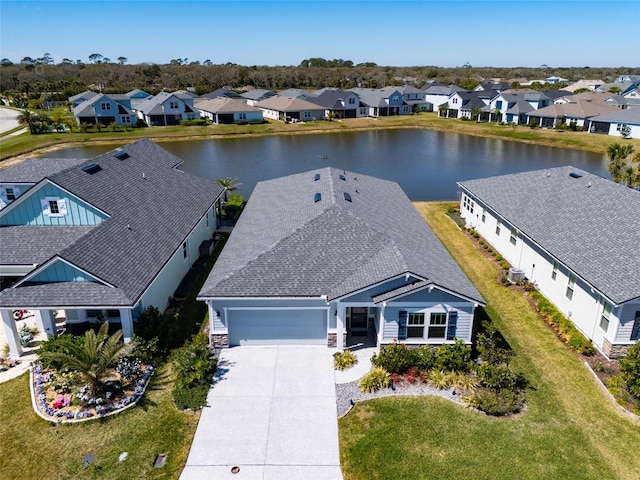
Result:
x=515 y=275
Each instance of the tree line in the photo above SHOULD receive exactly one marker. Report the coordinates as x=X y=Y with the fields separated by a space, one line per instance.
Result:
x=41 y=79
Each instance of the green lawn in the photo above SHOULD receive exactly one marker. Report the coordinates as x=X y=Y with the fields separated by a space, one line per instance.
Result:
x=569 y=430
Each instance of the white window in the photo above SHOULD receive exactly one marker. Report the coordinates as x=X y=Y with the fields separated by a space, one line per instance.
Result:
x=514 y=236
x=498 y=224
x=606 y=313
x=11 y=195
x=415 y=327
x=125 y=119
x=242 y=116
x=173 y=105
x=554 y=272
x=54 y=207
x=437 y=325
x=468 y=203
x=484 y=215
x=570 y=287
x=352 y=101
x=105 y=106
x=307 y=114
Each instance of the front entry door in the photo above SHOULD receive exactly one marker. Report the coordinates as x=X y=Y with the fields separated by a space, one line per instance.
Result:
x=359 y=317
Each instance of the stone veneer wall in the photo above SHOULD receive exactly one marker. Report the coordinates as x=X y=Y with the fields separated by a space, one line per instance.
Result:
x=614 y=351
x=332 y=339
x=220 y=340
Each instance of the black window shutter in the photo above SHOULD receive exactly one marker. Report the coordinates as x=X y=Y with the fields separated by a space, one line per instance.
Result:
x=453 y=324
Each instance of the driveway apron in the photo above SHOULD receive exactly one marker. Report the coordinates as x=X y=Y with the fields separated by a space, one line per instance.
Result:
x=271 y=415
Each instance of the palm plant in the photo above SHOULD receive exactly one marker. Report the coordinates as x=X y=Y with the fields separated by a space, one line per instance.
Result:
x=94 y=358
x=230 y=185
x=619 y=167
x=29 y=118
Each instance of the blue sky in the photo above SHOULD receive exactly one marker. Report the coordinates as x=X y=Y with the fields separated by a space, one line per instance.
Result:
x=402 y=33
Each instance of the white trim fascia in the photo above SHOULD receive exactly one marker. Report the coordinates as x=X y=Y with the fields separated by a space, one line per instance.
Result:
x=373 y=285
x=277 y=308
x=59 y=258
x=560 y=262
x=275 y=298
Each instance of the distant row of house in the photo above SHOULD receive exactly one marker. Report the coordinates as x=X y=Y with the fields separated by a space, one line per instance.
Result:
x=612 y=109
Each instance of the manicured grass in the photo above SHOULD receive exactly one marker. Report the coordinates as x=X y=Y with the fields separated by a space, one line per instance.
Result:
x=568 y=430
x=27 y=143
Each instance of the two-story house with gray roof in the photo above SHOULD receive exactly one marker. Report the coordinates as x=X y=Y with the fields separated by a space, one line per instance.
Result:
x=105 y=109
x=576 y=236
x=168 y=109
x=330 y=257
x=105 y=238
x=381 y=102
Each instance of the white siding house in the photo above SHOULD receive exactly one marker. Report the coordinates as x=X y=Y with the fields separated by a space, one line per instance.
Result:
x=576 y=236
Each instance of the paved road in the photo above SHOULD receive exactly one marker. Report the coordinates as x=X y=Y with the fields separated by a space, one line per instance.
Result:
x=272 y=414
x=8 y=119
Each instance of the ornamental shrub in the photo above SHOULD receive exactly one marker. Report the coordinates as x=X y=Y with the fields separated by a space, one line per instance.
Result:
x=453 y=357
x=194 y=366
x=376 y=379
x=396 y=358
x=630 y=369
x=344 y=360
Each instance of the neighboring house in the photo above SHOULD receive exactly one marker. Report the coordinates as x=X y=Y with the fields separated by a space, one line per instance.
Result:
x=336 y=102
x=613 y=123
x=436 y=95
x=290 y=109
x=413 y=97
x=462 y=104
x=256 y=95
x=105 y=109
x=104 y=239
x=554 y=80
x=582 y=84
x=225 y=92
x=137 y=96
x=514 y=105
x=77 y=99
x=573 y=234
x=619 y=87
x=492 y=87
x=329 y=257
x=223 y=110
x=566 y=113
x=168 y=109
x=17 y=179
x=381 y=102
x=596 y=97
x=296 y=93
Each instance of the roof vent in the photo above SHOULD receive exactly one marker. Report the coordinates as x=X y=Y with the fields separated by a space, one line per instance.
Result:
x=91 y=168
x=342 y=177
x=317 y=197
x=316 y=177
x=347 y=196
x=575 y=175
x=121 y=155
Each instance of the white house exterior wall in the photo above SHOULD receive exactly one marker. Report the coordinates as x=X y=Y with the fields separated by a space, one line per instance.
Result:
x=585 y=307
x=436 y=100
x=614 y=130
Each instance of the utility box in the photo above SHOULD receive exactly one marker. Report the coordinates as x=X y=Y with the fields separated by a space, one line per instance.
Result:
x=515 y=275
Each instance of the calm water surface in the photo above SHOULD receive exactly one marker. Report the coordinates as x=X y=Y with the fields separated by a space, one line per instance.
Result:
x=426 y=164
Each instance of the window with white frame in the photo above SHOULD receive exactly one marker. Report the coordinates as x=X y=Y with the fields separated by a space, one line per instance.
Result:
x=606 y=314
x=513 y=237
x=468 y=204
x=173 y=105
x=498 y=224
x=415 y=328
x=570 y=287
x=437 y=325
x=352 y=101
x=554 y=272
x=484 y=215
x=363 y=111
x=125 y=119
x=54 y=207
x=11 y=194
x=242 y=116
x=307 y=114
x=105 y=106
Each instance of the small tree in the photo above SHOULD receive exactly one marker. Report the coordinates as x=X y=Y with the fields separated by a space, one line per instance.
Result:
x=93 y=358
x=29 y=118
x=630 y=369
x=625 y=131
x=231 y=185
x=623 y=169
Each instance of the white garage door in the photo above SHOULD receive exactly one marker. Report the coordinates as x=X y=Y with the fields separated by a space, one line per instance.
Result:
x=277 y=327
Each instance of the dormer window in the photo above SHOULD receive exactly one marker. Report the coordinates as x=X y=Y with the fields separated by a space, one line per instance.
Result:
x=173 y=105
x=105 y=106
x=11 y=195
x=54 y=207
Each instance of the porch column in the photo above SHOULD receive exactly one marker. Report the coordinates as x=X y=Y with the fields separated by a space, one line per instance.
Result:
x=340 y=327
x=212 y=315
x=45 y=322
x=11 y=332
x=382 y=321
x=127 y=324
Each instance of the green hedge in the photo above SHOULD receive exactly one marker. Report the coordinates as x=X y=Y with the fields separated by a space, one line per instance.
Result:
x=564 y=327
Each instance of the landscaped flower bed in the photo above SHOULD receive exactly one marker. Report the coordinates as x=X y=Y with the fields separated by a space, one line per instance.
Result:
x=61 y=397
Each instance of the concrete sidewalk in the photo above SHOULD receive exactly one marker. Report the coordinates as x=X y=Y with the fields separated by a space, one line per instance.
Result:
x=271 y=414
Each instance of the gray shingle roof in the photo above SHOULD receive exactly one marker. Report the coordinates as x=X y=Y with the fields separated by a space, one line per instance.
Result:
x=152 y=208
x=590 y=224
x=223 y=105
x=285 y=244
x=628 y=115
x=33 y=170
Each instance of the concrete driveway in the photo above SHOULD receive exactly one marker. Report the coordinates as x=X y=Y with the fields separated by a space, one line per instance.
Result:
x=272 y=414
